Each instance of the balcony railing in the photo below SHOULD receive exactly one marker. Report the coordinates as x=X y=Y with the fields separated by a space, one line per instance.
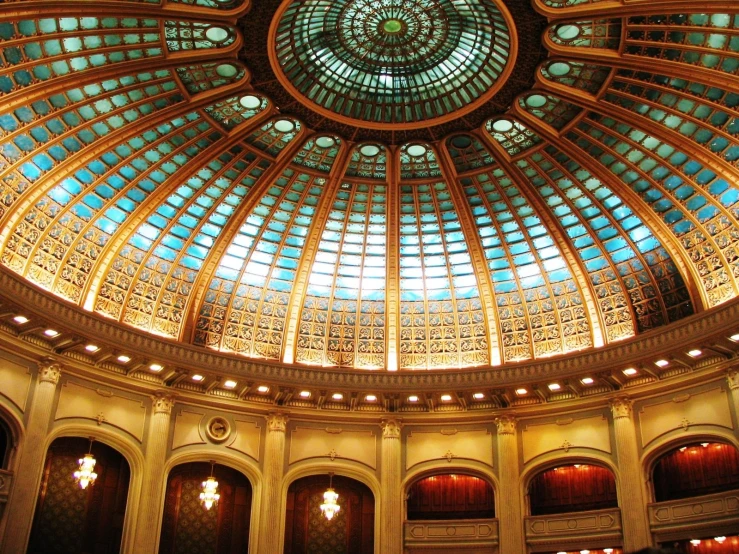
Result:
x=686 y=518
x=572 y=530
x=479 y=535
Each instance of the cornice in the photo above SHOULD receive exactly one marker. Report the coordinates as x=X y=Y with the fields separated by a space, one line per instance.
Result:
x=700 y=329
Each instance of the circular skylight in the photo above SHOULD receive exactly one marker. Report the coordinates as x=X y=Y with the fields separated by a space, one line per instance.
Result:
x=393 y=62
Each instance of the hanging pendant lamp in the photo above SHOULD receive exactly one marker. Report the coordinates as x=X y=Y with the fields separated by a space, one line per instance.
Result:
x=86 y=475
x=209 y=497
x=329 y=507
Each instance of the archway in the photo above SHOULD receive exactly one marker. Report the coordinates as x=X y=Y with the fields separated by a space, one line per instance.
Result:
x=70 y=519
x=187 y=526
x=352 y=529
x=576 y=487
x=695 y=469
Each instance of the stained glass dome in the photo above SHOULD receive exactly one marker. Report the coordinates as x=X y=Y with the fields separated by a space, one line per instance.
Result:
x=528 y=182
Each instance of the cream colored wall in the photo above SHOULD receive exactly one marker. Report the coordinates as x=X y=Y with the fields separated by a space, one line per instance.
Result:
x=358 y=446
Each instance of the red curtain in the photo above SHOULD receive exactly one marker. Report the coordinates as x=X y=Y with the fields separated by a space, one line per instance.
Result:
x=453 y=496
x=573 y=488
x=351 y=531
x=70 y=520
x=695 y=470
x=708 y=546
x=188 y=528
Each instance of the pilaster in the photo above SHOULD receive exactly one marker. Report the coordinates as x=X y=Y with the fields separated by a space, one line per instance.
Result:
x=274 y=467
x=31 y=461
x=150 y=505
x=631 y=492
x=510 y=517
x=732 y=378
x=391 y=530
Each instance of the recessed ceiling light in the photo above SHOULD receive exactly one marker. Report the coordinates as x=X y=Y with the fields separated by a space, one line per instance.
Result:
x=719 y=539
x=304 y=394
x=197 y=377
x=554 y=386
x=156 y=367
x=662 y=363
x=630 y=371
x=695 y=542
x=20 y=319
x=446 y=397
x=734 y=337
x=478 y=396
x=51 y=333
x=92 y=348
x=337 y=396
x=695 y=353
x=587 y=380
x=521 y=391
x=370 y=398
x=230 y=384
x=585 y=552
x=412 y=398
x=608 y=550
x=263 y=389
x=124 y=359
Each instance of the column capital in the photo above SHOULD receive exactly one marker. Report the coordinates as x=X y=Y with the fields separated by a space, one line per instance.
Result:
x=162 y=402
x=277 y=422
x=732 y=376
x=391 y=428
x=621 y=407
x=49 y=371
x=506 y=424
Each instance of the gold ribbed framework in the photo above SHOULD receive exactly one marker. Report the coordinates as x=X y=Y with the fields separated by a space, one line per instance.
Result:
x=144 y=177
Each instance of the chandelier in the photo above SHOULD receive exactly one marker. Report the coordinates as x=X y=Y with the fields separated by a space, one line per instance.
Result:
x=329 y=507
x=209 y=497
x=86 y=475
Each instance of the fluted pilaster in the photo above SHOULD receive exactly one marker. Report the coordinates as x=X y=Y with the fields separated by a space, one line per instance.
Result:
x=391 y=532
x=150 y=505
x=631 y=493
x=274 y=467
x=31 y=463
x=511 y=514
x=732 y=377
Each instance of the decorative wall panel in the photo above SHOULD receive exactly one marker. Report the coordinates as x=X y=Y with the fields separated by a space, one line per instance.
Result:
x=334 y=442
x=448 y=443
x=542 y=437
x=16 y=380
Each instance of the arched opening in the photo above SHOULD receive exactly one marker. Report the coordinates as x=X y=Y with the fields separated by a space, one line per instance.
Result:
x=70 y=519
x=6 y=444
x=188 y=526
x=350 y=531
x=572 y=488
x=694 y=470
x=450 y=497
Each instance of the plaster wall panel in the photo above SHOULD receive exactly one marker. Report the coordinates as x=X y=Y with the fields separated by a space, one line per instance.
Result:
x=565 y=433
x=16 y=382
x=187 y=429
x=707 y=407
x=424 y=446
x=103 y=406
x=247 y=438
x=349 y=444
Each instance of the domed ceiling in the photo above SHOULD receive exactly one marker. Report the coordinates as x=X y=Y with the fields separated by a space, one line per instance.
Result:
x=394 y=184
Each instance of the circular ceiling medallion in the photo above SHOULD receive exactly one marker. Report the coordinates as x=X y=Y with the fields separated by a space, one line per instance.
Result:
x=400 y=64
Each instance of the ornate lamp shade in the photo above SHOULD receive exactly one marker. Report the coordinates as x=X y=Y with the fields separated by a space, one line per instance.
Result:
x=209 y=497
x=86 y=475
x=330 y=506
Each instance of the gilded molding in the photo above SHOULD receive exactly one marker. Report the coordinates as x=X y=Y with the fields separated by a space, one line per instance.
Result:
x=162 y=403
x=621 y=406
x=696 y=328
x=277 y=422
x=506 y=425
x=391 y=428
x=49 y=371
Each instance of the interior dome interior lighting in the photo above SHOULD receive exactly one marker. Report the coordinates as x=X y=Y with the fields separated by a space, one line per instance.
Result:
x=86 y=475
x=210 y=497
x=330 y=506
